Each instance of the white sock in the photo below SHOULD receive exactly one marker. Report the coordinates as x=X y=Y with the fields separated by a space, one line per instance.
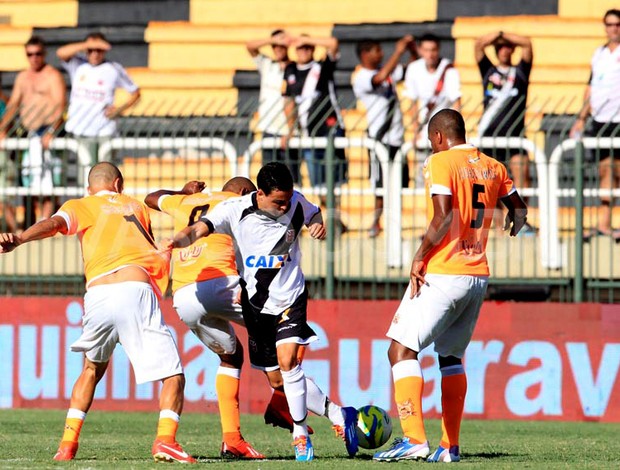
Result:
x=315 y=398
x=75 y=413
x=335 y=413
x=295 y=391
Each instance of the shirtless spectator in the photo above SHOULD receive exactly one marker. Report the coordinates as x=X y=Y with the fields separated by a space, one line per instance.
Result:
x=38 y=99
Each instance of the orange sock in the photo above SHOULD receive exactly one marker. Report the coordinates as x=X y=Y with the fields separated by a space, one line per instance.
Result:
x=408 y=388
x=453 y=390
x=227 y=389
x=167 y=426
x=73 y=425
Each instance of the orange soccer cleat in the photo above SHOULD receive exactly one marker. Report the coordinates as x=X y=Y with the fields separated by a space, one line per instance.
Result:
x=242 y=450
x=170 y=452
x=66 y=451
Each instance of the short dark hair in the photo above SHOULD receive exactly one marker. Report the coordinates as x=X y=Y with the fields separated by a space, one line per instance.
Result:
x=428 y=37
x=449 y=122
x=96 y=35
x=275 y=32
x=613 y=11
x=35 y=41
x=274 y=176
x=366 y=45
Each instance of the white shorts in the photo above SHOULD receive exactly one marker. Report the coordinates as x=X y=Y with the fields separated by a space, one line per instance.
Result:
x=207 y=308
x=128 y=313
x=445 y=313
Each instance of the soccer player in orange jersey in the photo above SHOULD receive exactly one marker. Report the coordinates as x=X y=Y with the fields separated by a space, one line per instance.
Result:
x=125 y=275
x=205 y=283
x=448 y=281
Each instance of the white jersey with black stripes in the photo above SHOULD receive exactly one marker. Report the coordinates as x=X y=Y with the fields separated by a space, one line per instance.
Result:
x=267 y=249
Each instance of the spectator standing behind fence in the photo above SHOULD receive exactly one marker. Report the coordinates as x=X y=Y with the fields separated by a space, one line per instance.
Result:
x=505 y=89
x=7 y=171
x=432 y=83
x=271 y=117
x=38 y=98
x=602 y=102
x=92 y=115
x=311 y=105
x=448 y=280
x=375 y=86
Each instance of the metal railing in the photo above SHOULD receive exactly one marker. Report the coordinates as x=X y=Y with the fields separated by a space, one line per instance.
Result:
x=156 y=152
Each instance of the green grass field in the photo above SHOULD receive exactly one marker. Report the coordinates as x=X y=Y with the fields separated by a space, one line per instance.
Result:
x=28 y=439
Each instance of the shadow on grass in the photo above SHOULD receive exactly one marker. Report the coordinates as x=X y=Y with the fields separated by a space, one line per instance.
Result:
x=488 y=455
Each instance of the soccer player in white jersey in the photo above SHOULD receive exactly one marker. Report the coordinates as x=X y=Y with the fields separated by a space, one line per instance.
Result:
x=265 y=226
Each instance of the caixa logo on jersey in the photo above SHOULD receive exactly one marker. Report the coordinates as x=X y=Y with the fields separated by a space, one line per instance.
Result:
x=266 y=261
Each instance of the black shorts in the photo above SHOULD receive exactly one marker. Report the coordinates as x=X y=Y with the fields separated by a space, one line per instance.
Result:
x=265 y=331
x=603 y=129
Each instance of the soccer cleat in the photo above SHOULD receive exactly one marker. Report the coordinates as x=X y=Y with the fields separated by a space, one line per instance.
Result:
x=304 y=452
x=280 y=418
x=242 y=450
x=170 y=452
x=348 y=432
x=66 y=450
x=445 y=455
x=402 y=449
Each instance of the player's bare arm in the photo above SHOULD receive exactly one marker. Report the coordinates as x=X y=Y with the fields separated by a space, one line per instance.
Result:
x=44 y=229
x=517 y=213
x=190 y=234
x=191 y=187
x=437 y=230
x=316 y=227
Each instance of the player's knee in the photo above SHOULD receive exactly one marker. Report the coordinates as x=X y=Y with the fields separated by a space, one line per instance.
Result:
x=397 y=353
x=275 y=379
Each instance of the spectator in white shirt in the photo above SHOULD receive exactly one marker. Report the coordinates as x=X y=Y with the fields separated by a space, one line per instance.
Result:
x=374 y=85
x=92 y=113
x=271 y=117
x=602 y=103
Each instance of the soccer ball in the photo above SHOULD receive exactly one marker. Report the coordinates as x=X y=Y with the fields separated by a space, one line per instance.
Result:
x=374 y=426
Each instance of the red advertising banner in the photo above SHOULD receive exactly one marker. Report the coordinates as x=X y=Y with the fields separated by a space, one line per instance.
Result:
x=539 y=361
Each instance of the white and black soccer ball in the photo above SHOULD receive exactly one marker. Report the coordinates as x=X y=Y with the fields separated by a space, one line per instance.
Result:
x=374 y=426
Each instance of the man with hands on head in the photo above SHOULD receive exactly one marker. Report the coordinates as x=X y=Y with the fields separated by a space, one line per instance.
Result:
x=92 y=113
x=271 y=118
x=374 y=84
x=448 y=281
x=265 y=226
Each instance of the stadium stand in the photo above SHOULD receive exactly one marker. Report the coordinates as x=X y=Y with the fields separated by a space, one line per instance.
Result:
x=189 y=59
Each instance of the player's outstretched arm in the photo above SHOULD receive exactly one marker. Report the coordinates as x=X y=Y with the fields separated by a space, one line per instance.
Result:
x=44 y=229
x=517 y=213
x=190 y=234
x=191 y=187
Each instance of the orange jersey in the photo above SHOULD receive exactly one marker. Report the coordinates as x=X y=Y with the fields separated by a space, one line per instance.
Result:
x=475 y=182
x=210 y=257
x=115 y=232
